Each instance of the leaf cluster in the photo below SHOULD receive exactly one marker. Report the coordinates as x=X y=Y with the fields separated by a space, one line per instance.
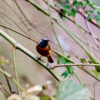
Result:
x=69 y=70
x=70 y=8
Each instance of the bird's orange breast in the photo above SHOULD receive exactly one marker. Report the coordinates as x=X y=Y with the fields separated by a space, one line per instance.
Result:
x=44 y=51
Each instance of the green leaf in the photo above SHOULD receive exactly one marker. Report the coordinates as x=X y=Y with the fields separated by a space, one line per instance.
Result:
x=86 y=12
x=97 y=17
x=98 y=24
x=86 y=5
x=65 y=74
x=69 y=90
x=66 y=6
x=97 y=2
x=68 y=72
x=87 y=1
x=58 y=61
x=79 y=3
x=59 y=4
x=63 y=18
x=97 y=68
x=68 y=61
x=96 y=10
x=45 y=97
x=63 y=61
x=73 y=12
x=90 y=61
x=89 y=17
x=59 y=56
x=82 y=60
x=74 y=3
x=68 y=13
x=64 y=11
x=95 y=72
x=91 y=11
x=68 y=56
x=95 y=62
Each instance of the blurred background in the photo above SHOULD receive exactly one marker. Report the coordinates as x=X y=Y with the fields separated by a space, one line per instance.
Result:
x=25 y=18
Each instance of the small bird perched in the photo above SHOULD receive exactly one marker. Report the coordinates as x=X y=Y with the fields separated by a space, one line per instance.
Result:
x=44 y=49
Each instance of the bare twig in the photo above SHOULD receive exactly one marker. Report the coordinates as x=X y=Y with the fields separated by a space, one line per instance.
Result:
x=5 y=88
x=92 y=34
x=83 y=35
x=7 y=81
x=15 y=69
x=69 y=65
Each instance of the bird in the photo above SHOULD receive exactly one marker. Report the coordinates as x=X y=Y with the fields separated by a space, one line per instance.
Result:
x=44 y=49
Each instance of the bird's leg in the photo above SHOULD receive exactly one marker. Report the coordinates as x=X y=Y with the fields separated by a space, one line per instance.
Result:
x=48 y=65
x=39 y=58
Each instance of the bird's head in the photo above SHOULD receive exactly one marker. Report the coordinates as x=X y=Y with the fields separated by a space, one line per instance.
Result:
x=43 y=42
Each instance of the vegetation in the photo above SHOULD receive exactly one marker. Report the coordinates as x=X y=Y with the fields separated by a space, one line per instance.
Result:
x=67 y=89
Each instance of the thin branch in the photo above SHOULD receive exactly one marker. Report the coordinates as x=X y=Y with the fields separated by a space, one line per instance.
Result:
x=9 y=85
x=13 y=22
x=30 y=23
x=83 y=35
x=85 y=16
x=13 y=80
x=85 y=41
x=90 y=74
x=5 y=88
x=69 y=65
x=17 y=15
x=52 y=24
x=18 y=32
x=92 y=34
x=15 y=68
x=94 y=6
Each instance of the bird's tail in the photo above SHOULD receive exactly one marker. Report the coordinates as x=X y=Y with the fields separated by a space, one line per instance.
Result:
x=50 y=59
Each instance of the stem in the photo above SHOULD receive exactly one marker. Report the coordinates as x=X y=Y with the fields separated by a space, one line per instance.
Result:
x=93 y=6
x=77 y=77
x=14 y=81
x=5 y=88
x=13 y=22
x=90 y=74
x=83 y=35
x=92 y=33
x=18 y=32
x=63 y=65
x=85 y=41
x=54 y=28
x=8 y=83
x=15 y=68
